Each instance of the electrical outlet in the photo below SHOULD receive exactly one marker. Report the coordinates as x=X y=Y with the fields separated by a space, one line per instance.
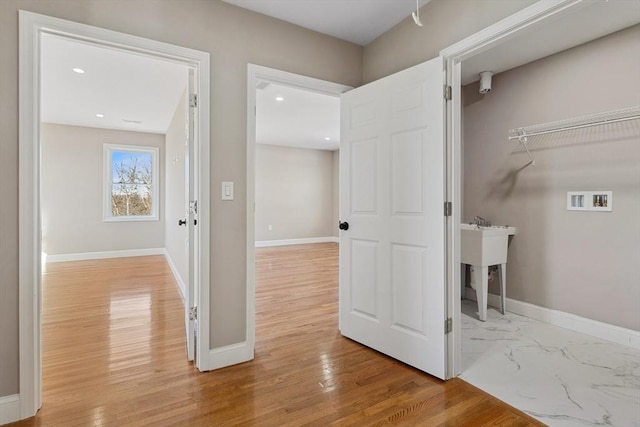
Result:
x=590 y=201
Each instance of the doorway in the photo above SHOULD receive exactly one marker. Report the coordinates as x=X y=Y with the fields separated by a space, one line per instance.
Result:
x=32 y=28
x=492 y=350
x=494 y=48
x=297 y=153
x=125 y=170
x=106 y=118
x=295 y=85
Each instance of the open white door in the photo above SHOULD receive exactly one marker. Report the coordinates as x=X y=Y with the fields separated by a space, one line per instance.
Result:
x=392 y=254
x=190 y=307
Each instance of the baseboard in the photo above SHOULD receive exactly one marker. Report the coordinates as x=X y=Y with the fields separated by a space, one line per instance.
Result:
x=228 y=355
x=286 y=242
x=9 y=409
x=176 y=275
x=594 y=328
x=102 y=255
x=570 y=321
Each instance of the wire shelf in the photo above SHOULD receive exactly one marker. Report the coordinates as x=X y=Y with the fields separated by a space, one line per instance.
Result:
x=607 y=117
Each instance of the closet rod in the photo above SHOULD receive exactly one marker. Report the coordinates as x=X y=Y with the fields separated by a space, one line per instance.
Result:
x=600 y=122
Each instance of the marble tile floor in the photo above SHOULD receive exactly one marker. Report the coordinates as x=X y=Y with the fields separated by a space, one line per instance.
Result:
x=560 y=377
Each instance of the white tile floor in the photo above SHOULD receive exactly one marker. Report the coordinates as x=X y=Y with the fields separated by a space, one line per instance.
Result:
x=562 y=378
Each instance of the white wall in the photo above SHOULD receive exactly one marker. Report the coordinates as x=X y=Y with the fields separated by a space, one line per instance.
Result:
x=175 y=237
x=72 y=192
x=294 y=193
x=584 y=263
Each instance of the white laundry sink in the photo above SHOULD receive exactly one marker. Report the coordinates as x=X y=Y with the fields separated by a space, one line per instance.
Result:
x=484 y=246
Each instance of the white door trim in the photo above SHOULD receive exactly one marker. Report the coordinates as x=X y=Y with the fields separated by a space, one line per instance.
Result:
x=485 y=39
x=255 y=73
x=32 y=26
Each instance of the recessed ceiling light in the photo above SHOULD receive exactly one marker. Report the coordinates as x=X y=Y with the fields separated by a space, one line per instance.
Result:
x=99 y=115
x=78 y=70
x=279 y=98
x=327 y=139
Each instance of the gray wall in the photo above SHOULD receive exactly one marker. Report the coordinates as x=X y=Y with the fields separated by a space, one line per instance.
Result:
x=585 y=263
x=445 y=23
x=175 y=237
x=234 y=37
x=73 y=192
x=294 y=193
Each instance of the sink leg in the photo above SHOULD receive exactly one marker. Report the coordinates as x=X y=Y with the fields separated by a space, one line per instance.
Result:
x=463 y=280
x=503 y=287
x=482 y=290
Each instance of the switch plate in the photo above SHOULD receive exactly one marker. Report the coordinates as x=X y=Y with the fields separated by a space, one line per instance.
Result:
x=227 y=191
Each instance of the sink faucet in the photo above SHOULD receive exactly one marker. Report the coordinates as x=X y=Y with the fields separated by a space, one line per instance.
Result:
x=481 y=222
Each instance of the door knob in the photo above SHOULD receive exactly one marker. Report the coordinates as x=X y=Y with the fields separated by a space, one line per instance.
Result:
x=344 y=226
x=182 y=222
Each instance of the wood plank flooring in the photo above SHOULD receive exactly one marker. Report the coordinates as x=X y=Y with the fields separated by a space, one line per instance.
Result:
x=114 y=355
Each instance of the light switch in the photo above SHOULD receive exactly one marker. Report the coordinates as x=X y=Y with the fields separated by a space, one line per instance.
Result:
x=227 y=191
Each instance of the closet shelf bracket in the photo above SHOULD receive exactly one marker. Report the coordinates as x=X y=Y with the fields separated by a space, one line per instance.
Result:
x=522 y=137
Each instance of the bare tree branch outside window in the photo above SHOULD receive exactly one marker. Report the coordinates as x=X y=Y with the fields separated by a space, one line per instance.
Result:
x=131 y=186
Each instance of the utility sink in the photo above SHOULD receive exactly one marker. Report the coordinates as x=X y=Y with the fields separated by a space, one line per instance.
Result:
x=481 y=247
x=484 y=246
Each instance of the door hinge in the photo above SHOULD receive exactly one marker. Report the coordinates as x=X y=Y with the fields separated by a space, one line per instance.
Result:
x=193 y=100
x=447 y=92
x=193 y=313
x=448 y=325
x=447 y=208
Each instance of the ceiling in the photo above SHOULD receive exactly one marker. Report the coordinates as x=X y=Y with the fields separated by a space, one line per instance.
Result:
x=357 y=21
x=141 y=94
x=138 y=93
x=579 y=25
x=301 y=119
x=132 y=91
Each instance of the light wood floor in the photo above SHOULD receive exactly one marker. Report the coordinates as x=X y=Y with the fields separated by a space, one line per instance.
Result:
x=114 y=355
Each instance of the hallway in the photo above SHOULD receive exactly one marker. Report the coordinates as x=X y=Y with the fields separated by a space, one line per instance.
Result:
x=114 y=355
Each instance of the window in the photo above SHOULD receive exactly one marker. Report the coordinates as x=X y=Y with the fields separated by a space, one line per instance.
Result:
x=131 y=183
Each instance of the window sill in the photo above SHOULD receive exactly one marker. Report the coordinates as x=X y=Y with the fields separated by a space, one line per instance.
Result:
x=131 y=219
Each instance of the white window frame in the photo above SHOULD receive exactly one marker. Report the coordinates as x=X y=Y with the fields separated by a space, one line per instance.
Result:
x=108 y=150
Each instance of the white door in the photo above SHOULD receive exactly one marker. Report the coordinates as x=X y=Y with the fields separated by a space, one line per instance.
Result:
x=392 y=256
x=191 y=219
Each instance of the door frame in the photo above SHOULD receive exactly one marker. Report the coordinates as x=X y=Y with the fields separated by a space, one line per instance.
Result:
x=454 y=55
x=256 y=73
x=31 y=28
